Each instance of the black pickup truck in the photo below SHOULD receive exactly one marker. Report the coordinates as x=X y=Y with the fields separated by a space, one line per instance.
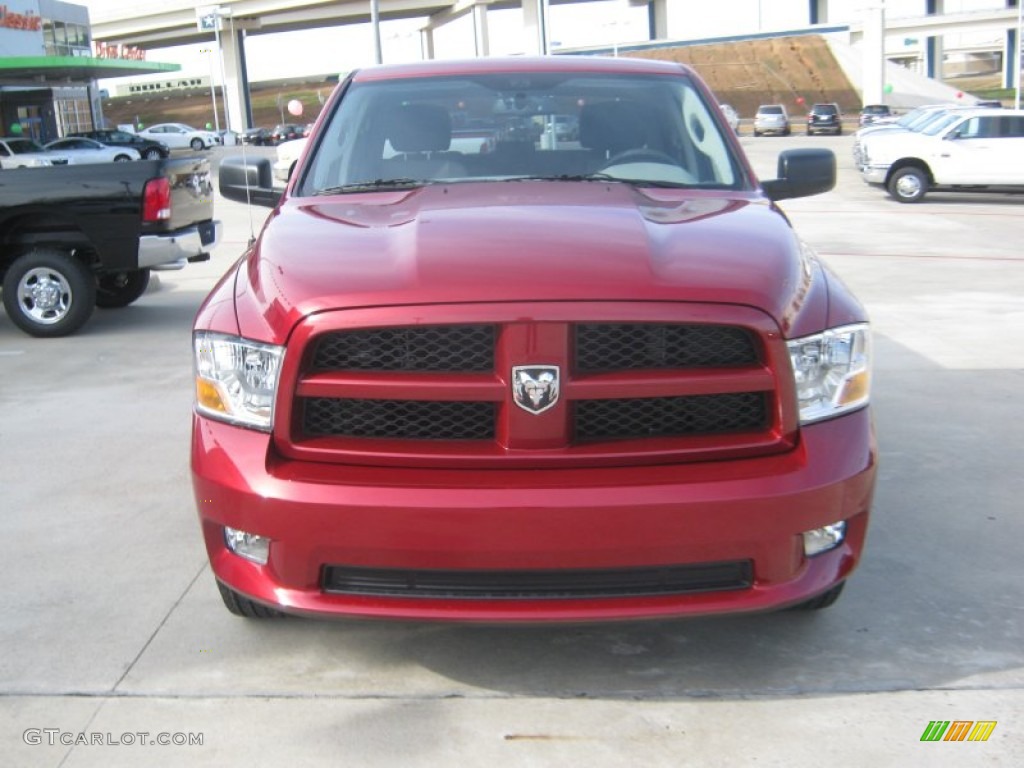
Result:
x=78 y=236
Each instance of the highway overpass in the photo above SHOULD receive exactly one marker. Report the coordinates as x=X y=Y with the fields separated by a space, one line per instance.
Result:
x=176 y=22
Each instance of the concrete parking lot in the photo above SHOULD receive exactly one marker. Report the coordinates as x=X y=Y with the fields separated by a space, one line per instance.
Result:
x=112 y=626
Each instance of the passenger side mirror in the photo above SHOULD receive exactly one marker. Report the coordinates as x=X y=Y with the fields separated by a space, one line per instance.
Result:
x=801 y=173
x=248 y=181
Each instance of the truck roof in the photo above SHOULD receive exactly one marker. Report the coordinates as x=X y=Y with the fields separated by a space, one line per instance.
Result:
x=436 y=67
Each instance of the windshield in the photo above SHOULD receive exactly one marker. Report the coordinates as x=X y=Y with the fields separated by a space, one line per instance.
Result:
x=655 y=130
x=24 y=146
x=940 y=123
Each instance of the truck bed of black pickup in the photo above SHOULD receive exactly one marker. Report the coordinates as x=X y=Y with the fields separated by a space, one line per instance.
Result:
x=78 y=236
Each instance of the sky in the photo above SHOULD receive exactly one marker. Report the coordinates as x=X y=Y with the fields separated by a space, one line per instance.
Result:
x=339 y=49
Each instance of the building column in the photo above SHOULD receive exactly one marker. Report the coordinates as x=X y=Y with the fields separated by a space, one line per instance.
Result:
x=535 y=23
x=236 y=84
x=657 y=19
x=817 y=11
x=427 y=43
x=1011 y=59
x=933 y=53
x=873 y=47
x=481 y=40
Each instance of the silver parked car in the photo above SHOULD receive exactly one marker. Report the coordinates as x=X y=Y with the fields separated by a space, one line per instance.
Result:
x=731 y=117
x=17 y=152
x=772 y=118
x=80 y=151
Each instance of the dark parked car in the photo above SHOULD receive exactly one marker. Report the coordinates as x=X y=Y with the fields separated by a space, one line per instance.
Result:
x=256 y=136
x=147 y=148
x=872 y=113
x=285 y=132
x=825 y=118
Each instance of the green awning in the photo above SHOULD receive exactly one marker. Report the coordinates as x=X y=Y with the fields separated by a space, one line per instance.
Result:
x=65 y=70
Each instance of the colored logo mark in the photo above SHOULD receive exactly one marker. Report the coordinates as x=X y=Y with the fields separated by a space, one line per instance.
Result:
x=958 y=730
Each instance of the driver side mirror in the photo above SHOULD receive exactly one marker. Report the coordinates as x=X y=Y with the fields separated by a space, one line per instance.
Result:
x=802 y=173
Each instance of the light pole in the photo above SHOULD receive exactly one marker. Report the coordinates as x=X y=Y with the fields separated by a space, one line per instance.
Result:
x=213 y=88
x=208 y=20
x=223 y=77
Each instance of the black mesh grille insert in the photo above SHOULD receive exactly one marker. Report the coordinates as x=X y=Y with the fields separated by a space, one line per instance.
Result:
x=631 y=346
x=398 y=419
x=670 y=416
x=435 y=348
x=673 y=579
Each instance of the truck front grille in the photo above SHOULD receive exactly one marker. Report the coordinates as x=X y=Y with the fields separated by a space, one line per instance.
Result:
x=399 y=419
x=669 y=416
x=515 y=387
x=519 y=585
x=424 y=349
x=660 y=346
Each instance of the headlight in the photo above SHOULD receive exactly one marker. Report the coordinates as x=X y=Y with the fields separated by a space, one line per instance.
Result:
x=832 y=371
x=236 y=379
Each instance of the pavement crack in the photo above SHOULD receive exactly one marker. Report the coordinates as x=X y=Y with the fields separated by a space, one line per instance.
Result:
x=156 y=631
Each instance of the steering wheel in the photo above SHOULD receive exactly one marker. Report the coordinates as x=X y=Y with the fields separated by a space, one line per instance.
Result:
x=640 y=155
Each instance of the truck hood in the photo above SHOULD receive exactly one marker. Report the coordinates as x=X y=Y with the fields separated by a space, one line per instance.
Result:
x=520 y=241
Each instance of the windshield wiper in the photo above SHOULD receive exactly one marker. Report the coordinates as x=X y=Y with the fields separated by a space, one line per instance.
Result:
x=599 y=176
x=374 y=186
x=565 y=177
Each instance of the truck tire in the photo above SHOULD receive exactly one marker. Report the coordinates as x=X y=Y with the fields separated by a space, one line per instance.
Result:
x=824 y=600
x=197 y=144
x=49 y=293
x=243 y=606
x=119 y=289
x=908 y=185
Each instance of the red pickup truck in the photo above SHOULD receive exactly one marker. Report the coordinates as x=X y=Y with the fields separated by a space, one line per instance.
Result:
x=566 y=379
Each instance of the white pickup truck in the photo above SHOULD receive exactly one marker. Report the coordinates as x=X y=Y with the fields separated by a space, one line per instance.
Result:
x=964 y=151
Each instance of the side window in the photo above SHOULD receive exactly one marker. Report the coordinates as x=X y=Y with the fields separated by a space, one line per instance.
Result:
x=712 y=163
x=968 y=129
x=987 y=128
x=1010 y=127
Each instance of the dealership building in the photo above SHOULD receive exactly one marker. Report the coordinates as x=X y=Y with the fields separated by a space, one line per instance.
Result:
x=49 y=65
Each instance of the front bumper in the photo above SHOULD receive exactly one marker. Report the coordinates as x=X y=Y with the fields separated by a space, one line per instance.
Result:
x=772 y=128
x=874 y=174
x=320 y=515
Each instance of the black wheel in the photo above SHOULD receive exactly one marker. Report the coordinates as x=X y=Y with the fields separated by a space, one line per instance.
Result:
x=197 y=144
x=787 y=132
x=243 y=606
x=908 y=185
x=824 y=600
x=49 y=293
x=152 y=154
x=120 y=289
x=122 y=159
